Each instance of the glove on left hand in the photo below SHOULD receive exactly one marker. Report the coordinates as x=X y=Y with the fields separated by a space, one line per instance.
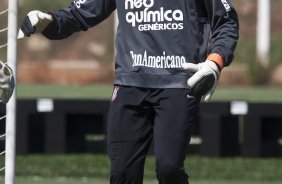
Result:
x=204 y=80
x=7 y=82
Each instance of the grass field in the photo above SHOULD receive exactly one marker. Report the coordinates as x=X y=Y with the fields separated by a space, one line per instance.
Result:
x=103 y=91
x=62 y=180
x=90 y=168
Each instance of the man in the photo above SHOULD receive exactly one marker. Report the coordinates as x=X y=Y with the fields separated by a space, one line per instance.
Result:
x=160 y=73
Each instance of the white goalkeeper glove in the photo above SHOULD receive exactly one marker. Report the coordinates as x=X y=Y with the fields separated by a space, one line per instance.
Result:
x=204 y=80
x=35 y=21
x=7 y=82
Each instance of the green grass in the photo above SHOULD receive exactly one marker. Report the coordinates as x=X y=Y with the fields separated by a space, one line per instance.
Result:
x=97 y=91
x=104 y=91
x=62 y=180
x=90 y=168
x=251 y=94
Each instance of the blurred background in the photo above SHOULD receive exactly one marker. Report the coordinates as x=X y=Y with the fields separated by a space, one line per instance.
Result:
x=63 y=95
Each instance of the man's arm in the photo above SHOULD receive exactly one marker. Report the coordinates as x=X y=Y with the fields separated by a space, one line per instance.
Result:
x=59 y=24
x=224 y=26
x=80 y=15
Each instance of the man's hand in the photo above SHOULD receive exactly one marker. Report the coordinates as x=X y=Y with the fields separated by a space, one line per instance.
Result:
x=204 y=80
x=35 y=21
x=7 y=82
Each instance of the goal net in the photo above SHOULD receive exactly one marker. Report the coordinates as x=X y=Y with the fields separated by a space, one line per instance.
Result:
x=10 y=44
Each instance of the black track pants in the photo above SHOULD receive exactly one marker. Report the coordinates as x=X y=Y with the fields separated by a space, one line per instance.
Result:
x=139 y=115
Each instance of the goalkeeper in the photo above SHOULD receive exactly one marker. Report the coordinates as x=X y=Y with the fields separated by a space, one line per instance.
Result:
x=166 y=62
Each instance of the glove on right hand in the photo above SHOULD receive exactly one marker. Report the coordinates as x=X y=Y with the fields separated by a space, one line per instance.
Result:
x=35 y=21
x=204 y=80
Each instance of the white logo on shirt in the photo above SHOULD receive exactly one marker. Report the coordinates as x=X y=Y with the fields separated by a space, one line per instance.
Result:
x=146 y=19
x=226 y=5
x=79 y=2
x=161 y=61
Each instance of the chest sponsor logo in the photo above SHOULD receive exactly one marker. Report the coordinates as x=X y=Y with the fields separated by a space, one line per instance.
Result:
x=162 y=61
x=146 y=17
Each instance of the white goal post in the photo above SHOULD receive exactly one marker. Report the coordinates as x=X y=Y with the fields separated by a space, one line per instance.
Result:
x=10 y=143
x=263 y=32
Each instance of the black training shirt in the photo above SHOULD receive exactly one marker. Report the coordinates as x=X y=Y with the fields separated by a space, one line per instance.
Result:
x=154 y=37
